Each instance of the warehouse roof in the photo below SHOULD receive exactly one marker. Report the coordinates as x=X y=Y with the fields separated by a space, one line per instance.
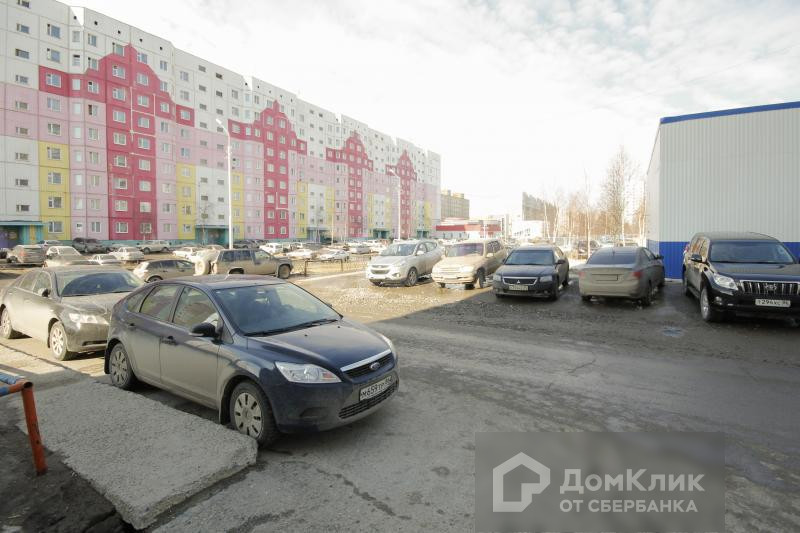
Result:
x=737 y=111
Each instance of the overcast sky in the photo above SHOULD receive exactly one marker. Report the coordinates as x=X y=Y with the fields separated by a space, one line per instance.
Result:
x=515 y=95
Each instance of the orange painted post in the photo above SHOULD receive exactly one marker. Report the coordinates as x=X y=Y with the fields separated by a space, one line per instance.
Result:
x=29 y=406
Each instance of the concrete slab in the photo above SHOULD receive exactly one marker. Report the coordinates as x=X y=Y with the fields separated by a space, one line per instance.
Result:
x=143 y=456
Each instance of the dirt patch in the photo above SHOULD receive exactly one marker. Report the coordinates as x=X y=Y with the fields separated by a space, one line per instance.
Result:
x=58 y=501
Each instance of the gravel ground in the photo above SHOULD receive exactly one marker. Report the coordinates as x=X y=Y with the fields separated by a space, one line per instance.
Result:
x=470 y=362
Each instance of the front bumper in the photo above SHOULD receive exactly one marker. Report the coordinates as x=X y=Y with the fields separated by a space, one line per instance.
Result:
x=387 y=275
x=539 y=289
x=745 y=304
x=454 y=277
x=83 y=337
x=300 y=407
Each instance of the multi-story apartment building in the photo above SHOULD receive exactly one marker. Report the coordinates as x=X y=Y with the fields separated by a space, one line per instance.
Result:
x=112 y=133
x=454 y=204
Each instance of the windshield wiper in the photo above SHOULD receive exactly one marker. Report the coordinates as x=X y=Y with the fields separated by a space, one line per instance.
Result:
x=310 y=323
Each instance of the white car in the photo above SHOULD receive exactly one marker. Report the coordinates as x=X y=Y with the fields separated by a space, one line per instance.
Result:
x=154 y=246
x=272 y=248
x=128 y=253
x=186 y=251
x=358 y=247
x=334 y=254
x=302 y=253
x=105 y=259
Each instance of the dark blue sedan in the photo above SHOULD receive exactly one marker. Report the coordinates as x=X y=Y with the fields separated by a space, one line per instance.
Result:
x=269 y=356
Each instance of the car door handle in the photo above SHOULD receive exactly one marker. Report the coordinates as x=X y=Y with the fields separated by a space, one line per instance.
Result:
x=170 y=340
x=130 y=325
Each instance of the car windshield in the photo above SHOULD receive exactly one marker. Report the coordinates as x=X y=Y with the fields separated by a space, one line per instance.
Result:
x=399 y=249
x=268 y=309
x=66 y=251
x=750 y=252
x=471 y=248
x=87 y=283
x=106 y=256
x=612 y=258
x=530 y=257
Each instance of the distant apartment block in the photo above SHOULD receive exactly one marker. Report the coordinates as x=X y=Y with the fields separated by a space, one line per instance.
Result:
x=110 y=132
x=454 y=205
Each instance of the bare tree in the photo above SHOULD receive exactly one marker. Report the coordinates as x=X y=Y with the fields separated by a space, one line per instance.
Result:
x=615 y=190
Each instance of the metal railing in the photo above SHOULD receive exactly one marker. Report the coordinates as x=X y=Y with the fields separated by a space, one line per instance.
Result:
x=25 y=388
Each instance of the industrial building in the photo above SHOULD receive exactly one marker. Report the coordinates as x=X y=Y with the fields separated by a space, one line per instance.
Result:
x=735 y=170
x=111 y=133
x=454 y=205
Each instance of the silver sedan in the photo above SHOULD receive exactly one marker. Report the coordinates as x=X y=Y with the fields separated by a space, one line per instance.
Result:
x=66 y=307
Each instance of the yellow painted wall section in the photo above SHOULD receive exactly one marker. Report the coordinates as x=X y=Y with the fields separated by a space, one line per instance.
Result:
x=54 y=184
x=186 y=197
x=302 y=207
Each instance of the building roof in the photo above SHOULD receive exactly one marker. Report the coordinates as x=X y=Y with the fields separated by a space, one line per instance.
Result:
x=727 y=112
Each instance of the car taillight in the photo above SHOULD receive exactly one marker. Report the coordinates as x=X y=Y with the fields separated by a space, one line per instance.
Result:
x=637 y=274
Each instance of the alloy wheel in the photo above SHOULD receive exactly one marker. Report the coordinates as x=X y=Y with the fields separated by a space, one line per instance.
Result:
x=247 y=416
x=57 y=340
x=118 y=365
x=5 y=324
x=705 y=307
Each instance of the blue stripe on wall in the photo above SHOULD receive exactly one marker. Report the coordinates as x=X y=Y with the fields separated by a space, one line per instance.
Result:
x=728 y=112
x=673 y=254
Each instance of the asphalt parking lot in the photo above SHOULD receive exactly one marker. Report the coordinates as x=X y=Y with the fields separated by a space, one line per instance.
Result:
x=470 y=362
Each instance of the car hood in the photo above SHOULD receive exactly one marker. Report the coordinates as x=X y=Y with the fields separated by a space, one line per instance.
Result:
x=331 y=345
x=760 y=271
x=526 y=270
x=96 y=304
x=77 y=260
x=465 y=260
x=388 y=260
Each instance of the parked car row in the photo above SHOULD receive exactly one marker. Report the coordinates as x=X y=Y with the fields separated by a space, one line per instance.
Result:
x=270 y=357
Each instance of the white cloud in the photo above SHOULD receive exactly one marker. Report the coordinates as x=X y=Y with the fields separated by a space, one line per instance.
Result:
x=514 y=95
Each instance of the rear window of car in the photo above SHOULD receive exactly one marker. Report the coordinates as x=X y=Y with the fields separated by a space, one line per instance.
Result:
x=612 y=258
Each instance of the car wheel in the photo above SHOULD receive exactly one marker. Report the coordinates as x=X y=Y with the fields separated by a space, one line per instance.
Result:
x=685 y=284
x=480 y=279
x=58 y=343
x=565 y=283
x=708 y=313
x=236 y=271
x=251 y=414
x=555 y=293
x=6 y=331
x=284 y=271
x=164 y=250
x=201 y=268
x=586 y=298
x=442 y=285
x=145 y=250
x=119 y=367
x=412 y=277
x=151 y=279
x=649 y=295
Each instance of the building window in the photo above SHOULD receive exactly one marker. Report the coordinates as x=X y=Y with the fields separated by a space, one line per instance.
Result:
x=54 y=56
x=120 y=138
x=118 y=72
x=120 y=183
x=94 y=204
x=55 y=226
x=144 y=207
x=22 y=80
x=24 y=54
x=120 y=205
x=145 y=186
x=145 y=228
x=23 y=208
x=21 y=131
x=144 y=122
x=53 y=154
x=52 y=79
x=118 y=49
x=122 y=227
x=91 y=39
x=94 y=87
x=20 y=182
x=141 y=57
x=144 y=164
x=142 y=79
x=94 y=227
x=22 y=28
x=54 y=202
x=118 y=116
x=54 y=178
x=162 y=65
x=117 y=93
x=143 y=100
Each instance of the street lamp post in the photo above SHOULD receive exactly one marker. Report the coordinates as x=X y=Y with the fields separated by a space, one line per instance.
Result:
x=230 y=186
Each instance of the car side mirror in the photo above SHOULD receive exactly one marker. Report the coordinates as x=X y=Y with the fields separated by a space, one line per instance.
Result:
x=204 y=329
x=420 y=252
x=560 y=262
x=695 y=258
x=44 y=292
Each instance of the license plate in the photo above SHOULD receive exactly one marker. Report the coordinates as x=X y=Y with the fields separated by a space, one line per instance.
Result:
x=773 y=303
x=518 y=287
x=606 y=277
x=376 y=388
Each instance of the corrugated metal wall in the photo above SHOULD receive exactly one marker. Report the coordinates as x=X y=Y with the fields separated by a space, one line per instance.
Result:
x=737 y=172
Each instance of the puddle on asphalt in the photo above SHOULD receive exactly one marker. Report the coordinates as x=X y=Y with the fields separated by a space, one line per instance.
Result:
x=670 y=331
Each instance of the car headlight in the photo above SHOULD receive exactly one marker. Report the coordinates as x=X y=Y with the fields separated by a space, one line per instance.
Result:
x=83 y=318
x=306 y=373
x=724 y=281
x=497 y=277
x=390 y=343
x=467 y=268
